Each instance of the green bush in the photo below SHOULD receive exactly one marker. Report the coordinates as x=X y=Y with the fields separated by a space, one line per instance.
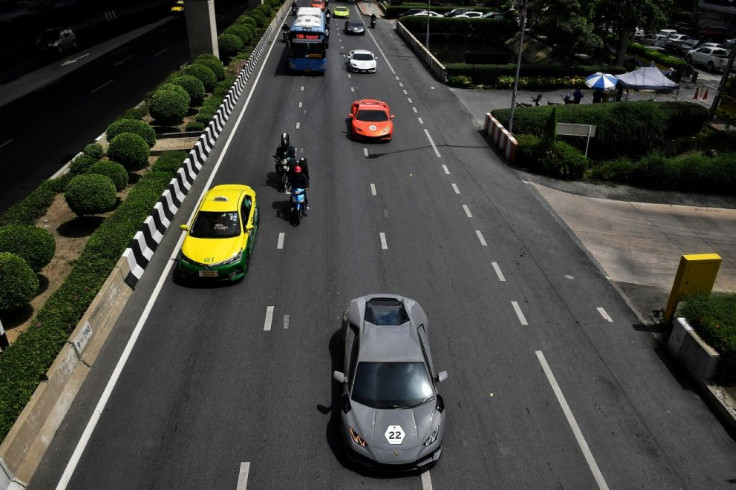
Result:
x=35 y=245
x=194 y=126
x=90 y=194
x=193 y=87
x=81 y=163
x=114 y=170
x=655 y=171
x=531 y=75
x=229 y=44
x=134 y=126
x=247 y=21
x=169 y=161
x=527 y=150
x=258 y=17
x=18 y=283
x=34 y=205
x=264 y=9
x=94 y=150
x=208 y=109
x=130 y=150
x=562 y=161
x=244 y=33
x=138 y=112
x=168 y=107
x=618 y=171
x=172 y=87
x=213 y=63
x=204 y=74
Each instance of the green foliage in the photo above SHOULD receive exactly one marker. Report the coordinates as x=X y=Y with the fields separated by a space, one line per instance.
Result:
x=655 y=171
x=35 y=245
x=81 y=163
x=168 y=107
x=193 y=87
x=258 y=17
x=130 y=150
x=169 y=161
x=214 y=64
x=138 y=112
x=90 y=194
x=229 y=44
x=707 y=174
x=531 y=76
x=618 y=170
x=208 y=109
x=114 y=170
x=31 y=207
x=561 y=161
x=194 y=126
x=134 y=126
x=243 y=32
x=483 y=30
x=527 y=151
x=264 y=9
x=94 y=150
x=18 y=282
x=245 y=20
x=204 y=74
x=462 y=81
x=713 y=317
x=550 y=130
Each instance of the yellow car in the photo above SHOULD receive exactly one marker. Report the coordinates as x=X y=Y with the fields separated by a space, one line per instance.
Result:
x=220 y=237
x=341 y=12
x=178 y=7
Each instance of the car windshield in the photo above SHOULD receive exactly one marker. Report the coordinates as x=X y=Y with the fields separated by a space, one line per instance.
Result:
x=371 y=115
x=215 y=225
x=385 y=311
x=392 y=384
x=363 y=56
x=355 y=23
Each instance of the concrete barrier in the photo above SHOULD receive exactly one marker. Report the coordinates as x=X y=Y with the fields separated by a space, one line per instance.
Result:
x=500 y=137
x=436 y=68
x=698 y=358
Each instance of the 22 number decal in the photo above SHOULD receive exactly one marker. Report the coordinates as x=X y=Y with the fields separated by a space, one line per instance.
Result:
x=394 y=434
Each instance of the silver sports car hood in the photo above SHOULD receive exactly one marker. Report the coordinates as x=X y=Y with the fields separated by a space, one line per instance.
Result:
x=394 y=429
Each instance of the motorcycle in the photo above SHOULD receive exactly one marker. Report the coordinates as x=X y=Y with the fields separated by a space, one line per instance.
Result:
x=285 y=30
x=282 y=171
x=373 y=22
x=298 y=205
x=293 y=10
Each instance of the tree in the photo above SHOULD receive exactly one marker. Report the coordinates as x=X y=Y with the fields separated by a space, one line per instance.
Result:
x=568 y=24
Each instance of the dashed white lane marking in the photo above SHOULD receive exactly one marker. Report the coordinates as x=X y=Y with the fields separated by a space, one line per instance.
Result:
x=349 y=75
x=298 y=124
x=405 y=92
x=409 y=99
x=454 y=188
x=480 y=237
x=519 y=313
x=161 y=52
x=426 y=481
x=243 y=476
x=286 y=322
x=300 y=105
x=420 y=120
x=6 y=143
x=400 y=84
x=280 y=243
x=365 y=152
x=467 y=211
x=302 y=88
x=415 y=110
x=385 y=213
x=384 y=245
x=397 y=77
x=571 y=420
x=604 y=314
x=373 y=190
x=498 y=272
x=352 y=89
x=431 y=142
x=269 y=319
x=444 y=167
x=100 y=87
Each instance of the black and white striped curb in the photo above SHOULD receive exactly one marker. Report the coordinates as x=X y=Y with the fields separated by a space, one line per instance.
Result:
x=145 y=241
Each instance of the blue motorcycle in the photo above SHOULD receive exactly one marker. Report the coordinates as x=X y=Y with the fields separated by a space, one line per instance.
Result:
x=298 y=205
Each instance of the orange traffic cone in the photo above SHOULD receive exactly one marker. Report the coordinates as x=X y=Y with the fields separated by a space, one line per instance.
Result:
x=705 y=94
x=696 y=95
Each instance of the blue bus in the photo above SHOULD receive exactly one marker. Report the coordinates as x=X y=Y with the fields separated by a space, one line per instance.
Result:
x=307 y=41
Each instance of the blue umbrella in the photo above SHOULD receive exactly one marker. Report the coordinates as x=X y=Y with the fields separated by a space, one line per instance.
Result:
x=602 y=81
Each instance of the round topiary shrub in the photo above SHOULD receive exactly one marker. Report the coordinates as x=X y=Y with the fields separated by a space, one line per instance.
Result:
x=114 y=170
x=194 y=88
x=229 y=44
x=34 y=244
x=90 y=194
x=169 y=106
x=94 y=150
x=247 y=21
x=172 y=87
x=265 y=9
x=240 y=32
x=258 y=17
x=216 y=65
x=204 y=74
x=134 y=126
x=275 y=4
x=18 y=283
x=130 y=150
x=81 y=163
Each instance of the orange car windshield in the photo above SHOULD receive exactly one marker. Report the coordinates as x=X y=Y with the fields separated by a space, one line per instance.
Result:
x=371 y=115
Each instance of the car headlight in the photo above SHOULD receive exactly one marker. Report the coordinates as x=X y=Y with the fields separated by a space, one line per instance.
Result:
x=357 y=439
x=432 y=437
x=232 y=259
x=385 y=130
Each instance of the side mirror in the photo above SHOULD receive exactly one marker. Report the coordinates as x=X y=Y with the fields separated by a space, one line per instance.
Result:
x=351 y=116
x=339 y=377
x=248 y=227
x=392 y=116
x=184 y=227
x=441 y=376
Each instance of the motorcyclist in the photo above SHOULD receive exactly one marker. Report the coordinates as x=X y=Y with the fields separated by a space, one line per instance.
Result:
x=327 y=16
x=299 y=180
x=284 y=151
x=293 y=7
x=373 y=19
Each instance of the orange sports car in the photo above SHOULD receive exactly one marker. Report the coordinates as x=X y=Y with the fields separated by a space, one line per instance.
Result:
x=319 y=4
x=371 y=119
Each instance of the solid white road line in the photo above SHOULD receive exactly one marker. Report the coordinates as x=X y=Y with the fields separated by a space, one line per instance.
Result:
x=280 y=243
x=269 y=319
x=431 y=142
x=480 y=237
x=571 y=420
x=365 y=152
x=467 y=211
x=519 y=313
x=79 y=449
x=498 y=272
x=100 y=87
x=384 y=245
x=243 y=476
x=385 y=59
x=454 y=188
x=286 y=322
x=447 y=170
x=426 y=481
x=604 y=314
x=373 y=190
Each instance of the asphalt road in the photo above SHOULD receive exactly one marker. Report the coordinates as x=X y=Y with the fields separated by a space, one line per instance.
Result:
x=553 y=383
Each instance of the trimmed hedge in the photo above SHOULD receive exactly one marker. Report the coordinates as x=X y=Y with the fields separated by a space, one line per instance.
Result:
x=90 y=194
x=35 y=245
x=229 y=44
x=134 y=126
x=258 y=17
x=531 y=76
x=204 y=74
x=247 y=21
x=130 y=150
x=169 y=161
x=213 y=63
x=243 y=32
x=113 y=170
x=168 y=107
x=193 y=87
x=557 y=159
x=33 y=206
x=18 y=283
x=81 y=163
x=94 y=150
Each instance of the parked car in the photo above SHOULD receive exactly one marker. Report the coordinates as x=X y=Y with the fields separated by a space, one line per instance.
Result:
x=674 y=42
x=652 y=39
x=410 y=12
x=712 y=58
x=458 y=11
x=424 y=13
x=57 y=40
x=492 y=15
x=472 y=14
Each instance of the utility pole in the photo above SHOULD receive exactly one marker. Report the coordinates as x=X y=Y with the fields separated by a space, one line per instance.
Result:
x=722 y=85
x=518 y=65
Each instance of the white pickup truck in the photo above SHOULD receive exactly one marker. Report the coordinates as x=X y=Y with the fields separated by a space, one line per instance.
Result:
x=712 y=58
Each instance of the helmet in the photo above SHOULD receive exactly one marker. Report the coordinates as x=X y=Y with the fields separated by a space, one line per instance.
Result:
x=298 y=169
x=284 y=139
x=302 y=162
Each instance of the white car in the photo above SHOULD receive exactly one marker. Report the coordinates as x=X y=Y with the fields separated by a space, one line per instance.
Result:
x=425 y=13
x=361 y=61
x=469 y=15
